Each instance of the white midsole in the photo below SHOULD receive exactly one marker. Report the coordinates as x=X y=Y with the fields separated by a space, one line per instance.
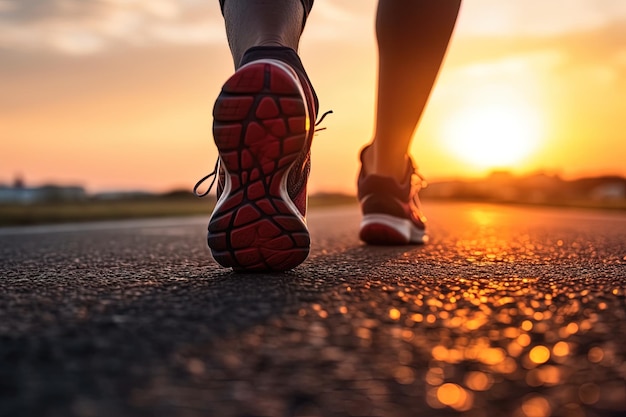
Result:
x=284 y=193
x=404 y=227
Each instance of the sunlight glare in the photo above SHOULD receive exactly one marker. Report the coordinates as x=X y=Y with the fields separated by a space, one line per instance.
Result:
x=493 y=135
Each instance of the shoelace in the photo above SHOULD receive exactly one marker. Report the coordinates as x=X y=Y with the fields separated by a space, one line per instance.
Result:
x=215 y=172
x=420 y=182
x=206 y=177
x=322 y=117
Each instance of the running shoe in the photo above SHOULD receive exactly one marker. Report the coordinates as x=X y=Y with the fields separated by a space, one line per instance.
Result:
x=391 y=210
x=263 y=130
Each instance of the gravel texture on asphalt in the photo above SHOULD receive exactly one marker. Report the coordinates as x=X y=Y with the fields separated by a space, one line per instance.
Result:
x=505 y=312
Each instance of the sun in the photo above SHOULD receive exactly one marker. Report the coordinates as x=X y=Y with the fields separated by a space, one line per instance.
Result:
x=494 y=135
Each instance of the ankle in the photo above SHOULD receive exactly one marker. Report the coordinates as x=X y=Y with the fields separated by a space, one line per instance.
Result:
x=385 y=164
x=271 y=41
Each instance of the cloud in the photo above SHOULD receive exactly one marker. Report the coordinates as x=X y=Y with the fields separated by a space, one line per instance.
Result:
x=536 y=17
x=80 y=27
x=90 y=26
x=343 y=21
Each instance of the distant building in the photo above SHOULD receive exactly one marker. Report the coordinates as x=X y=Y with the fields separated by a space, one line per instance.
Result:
x=19 y=194
x=609 y=191
x=599 y=188
x=538 y=188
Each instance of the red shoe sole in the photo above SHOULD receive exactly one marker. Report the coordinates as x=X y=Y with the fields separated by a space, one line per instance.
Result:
x=378 y=234
x=383 y=229
x=260 y=128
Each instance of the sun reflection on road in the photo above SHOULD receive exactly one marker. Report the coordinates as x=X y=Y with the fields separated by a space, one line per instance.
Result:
x=485 y=334
x=490 y=341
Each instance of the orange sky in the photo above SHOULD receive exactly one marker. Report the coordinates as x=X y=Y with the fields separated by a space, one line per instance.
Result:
x=118 y=94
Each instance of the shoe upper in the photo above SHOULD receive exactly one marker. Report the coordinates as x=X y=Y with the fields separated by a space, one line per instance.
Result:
x=299 y=174
x=384 y=195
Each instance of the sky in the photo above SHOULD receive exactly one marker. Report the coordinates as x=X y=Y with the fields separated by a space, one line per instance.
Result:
x=118 y=94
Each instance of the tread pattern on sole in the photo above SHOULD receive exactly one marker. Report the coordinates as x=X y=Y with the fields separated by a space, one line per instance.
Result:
x=260 y=128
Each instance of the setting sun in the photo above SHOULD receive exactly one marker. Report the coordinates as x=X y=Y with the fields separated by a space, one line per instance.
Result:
x=492 y=135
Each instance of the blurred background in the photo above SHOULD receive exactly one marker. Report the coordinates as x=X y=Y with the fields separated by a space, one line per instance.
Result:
x=116 y=95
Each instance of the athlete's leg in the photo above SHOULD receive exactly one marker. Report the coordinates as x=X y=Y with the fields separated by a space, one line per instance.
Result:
x=252 y=23
x=412 y=39
x=262 y=127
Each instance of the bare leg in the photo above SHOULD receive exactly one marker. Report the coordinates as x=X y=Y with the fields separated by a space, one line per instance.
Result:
x=413 y=36
x=262 y=23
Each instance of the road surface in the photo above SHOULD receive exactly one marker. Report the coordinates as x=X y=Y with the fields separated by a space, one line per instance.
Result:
x=507 y=311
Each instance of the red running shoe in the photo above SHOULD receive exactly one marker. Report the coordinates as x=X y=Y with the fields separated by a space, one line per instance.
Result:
x=263 y=130
x=391 y=210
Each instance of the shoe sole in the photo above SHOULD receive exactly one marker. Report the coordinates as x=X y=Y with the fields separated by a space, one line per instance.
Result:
x=260 y=128
x=384 y=229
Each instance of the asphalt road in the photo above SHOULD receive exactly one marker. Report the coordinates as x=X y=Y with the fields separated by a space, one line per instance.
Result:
x=506 y=312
